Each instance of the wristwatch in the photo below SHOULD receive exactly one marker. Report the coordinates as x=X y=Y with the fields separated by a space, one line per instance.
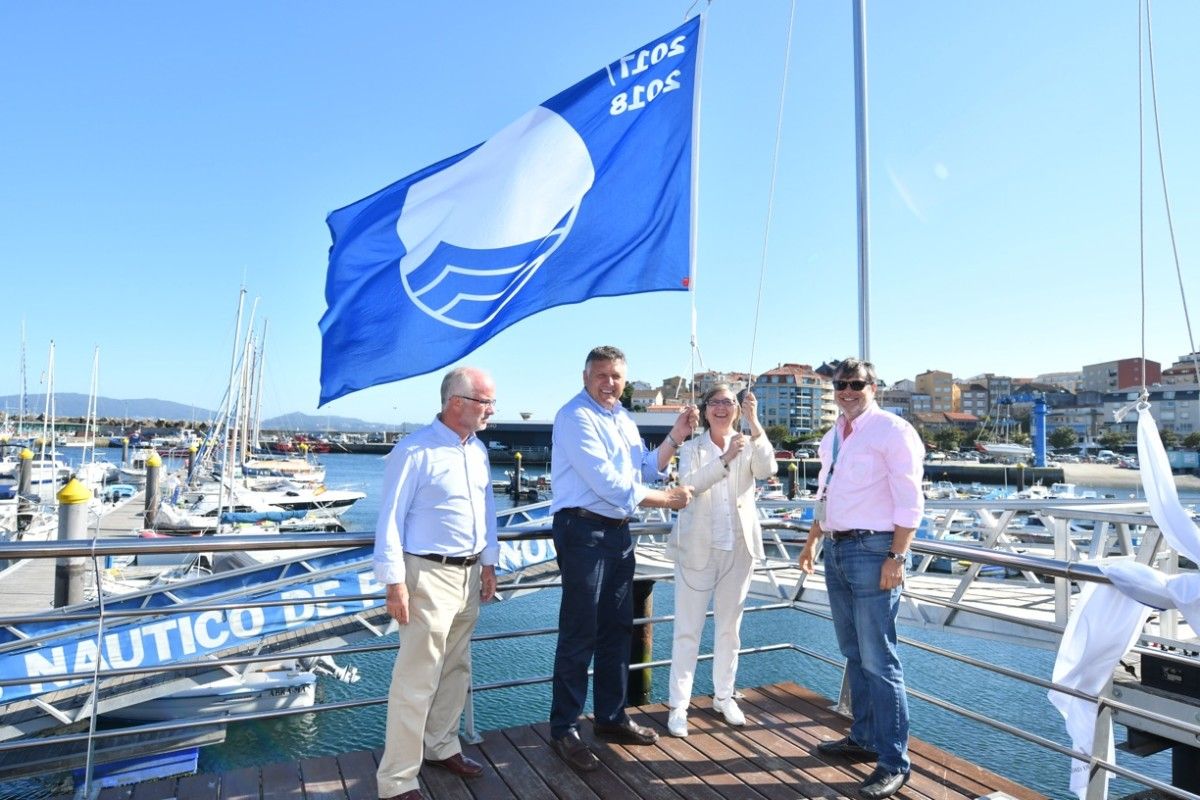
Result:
x=901 y=557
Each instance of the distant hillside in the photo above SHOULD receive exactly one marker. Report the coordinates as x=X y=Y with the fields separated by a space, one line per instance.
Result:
x=68 y=404
x=75 y=405
x=319 y=424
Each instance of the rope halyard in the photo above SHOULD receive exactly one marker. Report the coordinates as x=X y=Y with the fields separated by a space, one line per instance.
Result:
x=1162 y=171
x=787 y=59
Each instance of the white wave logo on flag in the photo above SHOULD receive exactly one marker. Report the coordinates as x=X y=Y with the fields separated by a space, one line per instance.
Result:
x=477 y=231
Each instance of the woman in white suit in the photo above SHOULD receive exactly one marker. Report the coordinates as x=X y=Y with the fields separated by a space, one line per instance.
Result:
x=714 y=543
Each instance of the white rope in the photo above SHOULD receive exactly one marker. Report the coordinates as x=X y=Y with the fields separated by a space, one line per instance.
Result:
x=1162 y=169
x=787 y=59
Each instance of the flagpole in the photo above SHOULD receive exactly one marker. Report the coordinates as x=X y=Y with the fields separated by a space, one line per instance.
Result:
x=693 y=240
x=863 y=164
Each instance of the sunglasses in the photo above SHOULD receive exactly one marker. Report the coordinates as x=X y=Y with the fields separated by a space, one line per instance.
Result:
x=857 y=386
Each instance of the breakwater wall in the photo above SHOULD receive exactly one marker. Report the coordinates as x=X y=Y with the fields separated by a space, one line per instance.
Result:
x=953 y=471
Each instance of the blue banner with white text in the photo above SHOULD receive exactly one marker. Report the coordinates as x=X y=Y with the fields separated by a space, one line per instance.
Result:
x=587 y=195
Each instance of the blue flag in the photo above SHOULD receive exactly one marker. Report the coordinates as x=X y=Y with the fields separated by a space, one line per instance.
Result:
x=587 y=195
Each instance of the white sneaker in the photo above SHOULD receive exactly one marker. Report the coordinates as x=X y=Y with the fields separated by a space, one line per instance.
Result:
x=729 y=708
x=677 y=722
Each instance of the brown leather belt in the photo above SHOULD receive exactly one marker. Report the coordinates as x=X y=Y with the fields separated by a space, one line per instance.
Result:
x=592 y=515
x=454 y=561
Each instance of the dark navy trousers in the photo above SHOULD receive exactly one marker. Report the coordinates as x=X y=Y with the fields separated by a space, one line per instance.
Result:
x=595 y=618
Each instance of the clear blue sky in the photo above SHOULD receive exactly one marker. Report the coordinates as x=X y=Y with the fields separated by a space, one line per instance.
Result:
x=155 y=156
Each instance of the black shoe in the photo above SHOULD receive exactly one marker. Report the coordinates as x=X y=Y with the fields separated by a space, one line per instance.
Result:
x=624 y=732
x=882 y=783
x=574 y=751
x=847 y=748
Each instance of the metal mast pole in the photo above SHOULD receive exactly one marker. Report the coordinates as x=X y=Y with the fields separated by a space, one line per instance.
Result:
x=860 y=135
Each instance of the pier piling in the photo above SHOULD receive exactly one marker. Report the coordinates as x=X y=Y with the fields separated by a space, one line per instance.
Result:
x=72 y=524
x=153 y=473
x=641 y=645
x=515 y=489
x=24 y=481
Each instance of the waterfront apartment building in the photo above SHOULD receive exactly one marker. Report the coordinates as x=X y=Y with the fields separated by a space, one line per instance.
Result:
x=1175 y=408
x=1000 y=387
x=675 y=390
x=703 y=381
x=942 y=390
x=1086 y=421
x=1184 y=370
x=897 y=401
x=1114 y=376
x=795 y=396
x=1071 y=381
x=973 y=399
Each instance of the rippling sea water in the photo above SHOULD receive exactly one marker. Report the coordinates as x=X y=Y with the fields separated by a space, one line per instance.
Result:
x=344 y=731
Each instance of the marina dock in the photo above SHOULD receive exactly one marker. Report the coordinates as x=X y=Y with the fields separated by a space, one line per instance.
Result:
x=28 y=587
x=771 y=757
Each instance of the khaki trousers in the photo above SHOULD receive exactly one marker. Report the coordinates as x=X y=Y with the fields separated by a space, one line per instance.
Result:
x=432 y=672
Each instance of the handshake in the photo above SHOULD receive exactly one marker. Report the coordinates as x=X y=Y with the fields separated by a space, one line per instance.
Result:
x=677 y=497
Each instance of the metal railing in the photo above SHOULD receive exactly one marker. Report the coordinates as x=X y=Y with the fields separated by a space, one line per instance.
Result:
x=782 y=534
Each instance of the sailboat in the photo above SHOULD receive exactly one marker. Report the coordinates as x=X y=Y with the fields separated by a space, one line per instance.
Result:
x=1004 y=451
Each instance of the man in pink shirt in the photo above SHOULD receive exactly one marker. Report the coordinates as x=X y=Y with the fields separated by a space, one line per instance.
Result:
x=869 y=508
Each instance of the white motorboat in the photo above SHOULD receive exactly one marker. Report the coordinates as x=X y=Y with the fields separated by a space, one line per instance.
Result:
x=1005 y=451
x=274 y=690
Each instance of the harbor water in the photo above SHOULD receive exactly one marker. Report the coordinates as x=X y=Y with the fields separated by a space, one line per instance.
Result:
x=335 y=732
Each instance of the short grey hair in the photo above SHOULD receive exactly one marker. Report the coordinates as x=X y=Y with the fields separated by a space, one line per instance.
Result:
x=854 y=366
x=457 y=381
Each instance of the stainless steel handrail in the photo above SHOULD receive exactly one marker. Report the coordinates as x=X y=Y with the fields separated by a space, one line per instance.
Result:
x=1072 y=571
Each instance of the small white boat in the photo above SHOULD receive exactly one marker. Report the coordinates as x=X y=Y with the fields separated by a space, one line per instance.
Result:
x=275 y=690
x=1005 y=451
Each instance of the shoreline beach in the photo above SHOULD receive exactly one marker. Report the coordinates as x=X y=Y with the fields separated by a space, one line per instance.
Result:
x=1109 y=475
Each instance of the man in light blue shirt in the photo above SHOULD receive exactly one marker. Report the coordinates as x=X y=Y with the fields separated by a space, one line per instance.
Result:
x=436 y=550
x=599 y=469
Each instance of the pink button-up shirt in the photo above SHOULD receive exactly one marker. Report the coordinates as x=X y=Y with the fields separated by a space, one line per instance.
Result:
x=876 y=481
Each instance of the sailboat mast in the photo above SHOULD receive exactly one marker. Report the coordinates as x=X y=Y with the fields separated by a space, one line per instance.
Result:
x=23 y=412
x=262 y=356
x=227 y=465
x=863 y=164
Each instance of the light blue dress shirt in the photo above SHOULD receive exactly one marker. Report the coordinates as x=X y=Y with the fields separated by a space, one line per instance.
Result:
x=437 y=498
x=599 y=461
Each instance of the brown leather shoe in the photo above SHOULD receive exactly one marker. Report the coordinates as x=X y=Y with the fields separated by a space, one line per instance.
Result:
x=574 y=751
x=459 y=764
x=625 y=732
x=412 y=794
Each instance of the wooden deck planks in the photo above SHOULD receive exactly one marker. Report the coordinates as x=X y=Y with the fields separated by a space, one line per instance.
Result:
x=772 y=757
x=358 y=775
x=489 y=785
x=198 y=787
x=505 y=758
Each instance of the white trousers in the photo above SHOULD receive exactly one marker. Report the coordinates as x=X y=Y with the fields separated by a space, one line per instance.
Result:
x=725 y=580
x=432 y=672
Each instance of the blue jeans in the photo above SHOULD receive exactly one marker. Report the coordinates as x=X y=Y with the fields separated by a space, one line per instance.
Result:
x=596 y=562
x=864 y=618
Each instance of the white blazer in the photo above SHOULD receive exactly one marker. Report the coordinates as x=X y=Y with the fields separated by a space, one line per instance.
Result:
x=700 y=467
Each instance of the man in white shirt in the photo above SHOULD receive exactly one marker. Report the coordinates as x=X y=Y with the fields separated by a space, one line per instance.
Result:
x=436 y=550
